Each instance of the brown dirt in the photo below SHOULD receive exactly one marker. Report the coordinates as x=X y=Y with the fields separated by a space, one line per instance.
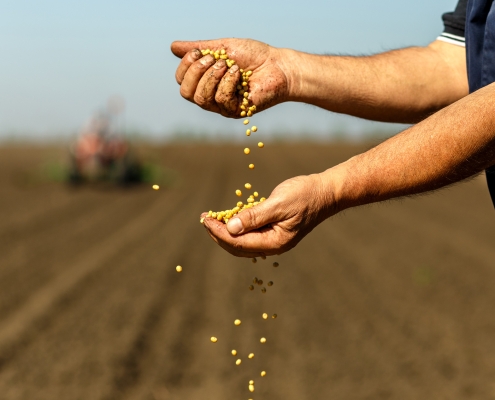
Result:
x=392 y=301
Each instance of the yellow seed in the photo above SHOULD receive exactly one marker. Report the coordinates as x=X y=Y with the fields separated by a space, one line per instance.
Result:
x=234 y=352
x=155 y=187
x=212 y=52
x=241 y=71
x=270 y=283
x=213 y=339
x=178 y=268
x=265 y=315
x=244 y=83
x=250 y=200
x=251 y=382
x=262 y=257
x=243 y=113
x=275 y=264
x=247 y=186
x=238 y=362
x=251 y=355
x=263 y=199
x=222 y=51
x=201 y=220
x=239 y=204
x=247 y=151
x=251 y=388
x=243 y=107
x=209 y=213
x=249 y=113
x=255 y=194
x=248 y=132
x=263 y=290
x=249 y=73
x=223 y=57
x=214 y=215
x=251 y=166
x=255 y=280
x=263 y=340
x=246 y=121
x=254 y=260
x=246 y=94
x=238 y=192
x=217 y=56
x=251 y=287
x=263 y=373
x=254 y=128
x=274 y=316
x=237 y=322
x=261 y=145
x=245 y=102
x=260 y=282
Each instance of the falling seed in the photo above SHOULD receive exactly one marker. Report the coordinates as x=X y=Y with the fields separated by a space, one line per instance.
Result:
x=270 y=283
x=260 y=282
x=263 y=373
x=255 y=280
x=251 y=388
x=254 y=260
x=262 y=257
x=155 y=187
x=234 y=352
x=238 y=362
x=251 y=287
x=202 y=220
x=251 y=382
x=275 y=264
x=178 y=268
x=274 y=316
x=263 y=340
x=263 y=290
x=213 y=339
x=265 y=315
x=251 y=355
x=237 y=322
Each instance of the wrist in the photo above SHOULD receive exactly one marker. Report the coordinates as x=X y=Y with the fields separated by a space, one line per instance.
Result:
x=290 y=63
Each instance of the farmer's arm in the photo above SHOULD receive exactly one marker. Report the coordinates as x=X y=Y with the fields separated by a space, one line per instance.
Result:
x=401 y=86
x=453 y=144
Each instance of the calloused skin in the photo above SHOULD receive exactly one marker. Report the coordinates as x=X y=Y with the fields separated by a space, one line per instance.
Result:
x=453 y=139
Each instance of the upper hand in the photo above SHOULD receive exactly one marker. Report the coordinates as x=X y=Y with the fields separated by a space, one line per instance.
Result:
x=276 y=225
x=212 y=86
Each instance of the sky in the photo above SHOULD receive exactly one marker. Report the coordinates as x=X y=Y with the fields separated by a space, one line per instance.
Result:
x=62 y=60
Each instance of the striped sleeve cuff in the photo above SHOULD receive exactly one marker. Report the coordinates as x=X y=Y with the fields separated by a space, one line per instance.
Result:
x=452 y=39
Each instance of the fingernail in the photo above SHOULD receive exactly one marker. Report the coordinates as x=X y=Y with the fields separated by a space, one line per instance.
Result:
x=219 y=64
x=235 y=226
x=234 y=69
x=196 y=54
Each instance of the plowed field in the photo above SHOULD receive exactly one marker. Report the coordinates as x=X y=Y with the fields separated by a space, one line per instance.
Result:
x=391 y=301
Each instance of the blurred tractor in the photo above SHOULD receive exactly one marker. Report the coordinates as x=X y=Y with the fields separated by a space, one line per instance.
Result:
x=99 y=155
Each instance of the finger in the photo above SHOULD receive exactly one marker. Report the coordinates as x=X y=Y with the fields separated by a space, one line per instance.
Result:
x=180 y=48
x=226 y=96
x=255 y=218
x=191 y=57
x=207 y=86
x=193 y=76
x=233 y=245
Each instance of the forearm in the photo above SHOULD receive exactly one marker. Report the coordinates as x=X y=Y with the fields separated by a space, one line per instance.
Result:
x=403 y=85
x=451 y=145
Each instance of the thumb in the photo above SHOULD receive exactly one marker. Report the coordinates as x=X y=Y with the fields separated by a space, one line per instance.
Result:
x=253 y=218
x=180 y=48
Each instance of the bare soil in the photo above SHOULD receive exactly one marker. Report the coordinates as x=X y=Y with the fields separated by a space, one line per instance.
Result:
x=390 y=301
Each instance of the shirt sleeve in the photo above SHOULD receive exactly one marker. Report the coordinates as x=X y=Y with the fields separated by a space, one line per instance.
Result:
x=454 y=25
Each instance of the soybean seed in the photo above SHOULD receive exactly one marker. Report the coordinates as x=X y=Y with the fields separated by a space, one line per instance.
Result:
x=246 y=121
x=260 y=282
x=251 y=166
x=274 y=316
x=178 y=268
x=261 y=145
x=255 y=194
x=238 y=192
x=234 y=352
x=251 y=287
x=254 y=128
x=243 y=113
x=155 y=187
x=263 y=373
x=275 y=264
x=247 y=186
x=254 y=260
x=248 y=132
x=255 y=280
x=213 y=339
x=262 y=257
x=251 y=388
x=237 y=322
x=251 y=382
x=263 y=290
x=270 y=283
x=263 y=340
x=251 y=355
x=238 y=362
x=249 y=113
x=247 y=151
x=265 y=315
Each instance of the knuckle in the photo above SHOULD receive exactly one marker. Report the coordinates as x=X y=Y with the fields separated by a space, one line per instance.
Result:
x=200 y=100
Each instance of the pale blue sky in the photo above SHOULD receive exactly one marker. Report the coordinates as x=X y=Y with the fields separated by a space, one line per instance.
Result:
x=61 y=60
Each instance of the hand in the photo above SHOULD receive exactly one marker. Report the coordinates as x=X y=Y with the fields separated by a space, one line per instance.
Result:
x=279 y=223
x=212 y=86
